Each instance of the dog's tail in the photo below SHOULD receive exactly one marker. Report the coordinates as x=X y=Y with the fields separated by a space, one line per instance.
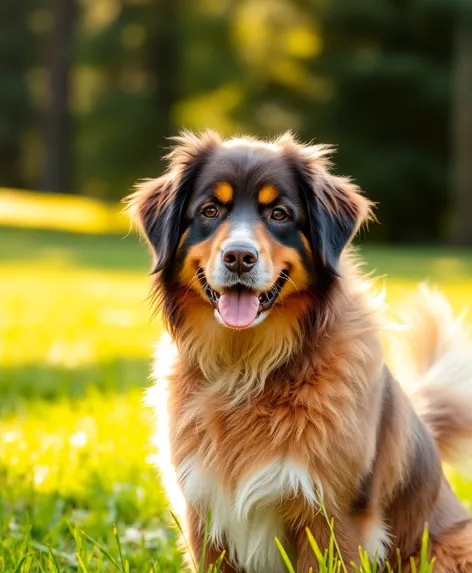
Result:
x=433 y=362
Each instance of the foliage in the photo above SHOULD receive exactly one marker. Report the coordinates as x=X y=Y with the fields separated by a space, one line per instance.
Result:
x=374 y=77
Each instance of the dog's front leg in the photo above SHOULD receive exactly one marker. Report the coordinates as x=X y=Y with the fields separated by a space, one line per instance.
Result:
x=195 y=536
x=347 y=535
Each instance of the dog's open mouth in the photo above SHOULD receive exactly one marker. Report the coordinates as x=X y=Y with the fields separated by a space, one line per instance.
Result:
x=239 y=306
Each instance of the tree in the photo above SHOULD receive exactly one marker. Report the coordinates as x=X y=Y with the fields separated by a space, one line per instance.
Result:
x=131 y=86
x=461 y=120
x=57 y=123
x=16 y=47
x=388 y=62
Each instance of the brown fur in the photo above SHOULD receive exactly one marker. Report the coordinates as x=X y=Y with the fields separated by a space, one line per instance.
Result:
x=308 y=384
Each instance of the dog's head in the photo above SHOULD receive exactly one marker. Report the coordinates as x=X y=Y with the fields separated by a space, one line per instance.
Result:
x=245 y=228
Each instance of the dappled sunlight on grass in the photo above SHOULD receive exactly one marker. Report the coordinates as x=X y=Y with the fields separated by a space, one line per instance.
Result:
x=69 y=447
x=63 y=212
x=75 y=440
x=85 y=462
x=75 y=342
x=60 y=315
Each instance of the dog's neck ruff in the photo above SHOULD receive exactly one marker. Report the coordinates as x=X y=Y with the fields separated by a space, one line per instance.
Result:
x=234 y=363
x=239 y=363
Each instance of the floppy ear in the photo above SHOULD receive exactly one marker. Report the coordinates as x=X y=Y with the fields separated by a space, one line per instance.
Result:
x=336 y=210
x=157 y=208
x=158 y=205
x=334 y=205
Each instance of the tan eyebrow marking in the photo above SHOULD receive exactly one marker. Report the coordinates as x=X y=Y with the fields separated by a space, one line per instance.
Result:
x=267 y=194
x=224 y=192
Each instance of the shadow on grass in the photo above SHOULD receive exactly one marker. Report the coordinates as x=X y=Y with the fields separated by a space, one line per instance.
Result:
x=119 y=252
x=418 y=263
x=51 y=382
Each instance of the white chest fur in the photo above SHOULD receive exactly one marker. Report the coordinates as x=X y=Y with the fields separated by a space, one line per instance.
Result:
x=245 y=520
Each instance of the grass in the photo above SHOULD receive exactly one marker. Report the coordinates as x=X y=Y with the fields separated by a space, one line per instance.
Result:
x=75 y=346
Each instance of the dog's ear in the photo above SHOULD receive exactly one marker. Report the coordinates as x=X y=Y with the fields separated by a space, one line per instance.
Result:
x=156 y=208
x=334 y=205
x=336 y=210
x=158 y=205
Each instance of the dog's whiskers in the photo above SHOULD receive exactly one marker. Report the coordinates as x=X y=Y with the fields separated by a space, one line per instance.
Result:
x=287 y=277
x=192 y=282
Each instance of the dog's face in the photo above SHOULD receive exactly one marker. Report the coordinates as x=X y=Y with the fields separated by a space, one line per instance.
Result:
x=249 y=226
x=244 y=238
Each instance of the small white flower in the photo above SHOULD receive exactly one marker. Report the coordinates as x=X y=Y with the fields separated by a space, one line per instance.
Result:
x=40 y=474
x=9 y=437
x=79 y=439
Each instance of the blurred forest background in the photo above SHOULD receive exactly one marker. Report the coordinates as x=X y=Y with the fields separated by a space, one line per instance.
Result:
x=90 y=89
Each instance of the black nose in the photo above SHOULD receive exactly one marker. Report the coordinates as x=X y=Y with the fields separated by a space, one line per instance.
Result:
x=240 y=258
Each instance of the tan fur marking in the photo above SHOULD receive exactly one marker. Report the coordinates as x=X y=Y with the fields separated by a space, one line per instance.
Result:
x=268 y=194
x=201 y=255
x=224 y=192
x=281 y=258
x=306 y=244
x=182 y=238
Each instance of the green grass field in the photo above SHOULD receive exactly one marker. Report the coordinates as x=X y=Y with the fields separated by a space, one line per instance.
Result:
x=75 y=346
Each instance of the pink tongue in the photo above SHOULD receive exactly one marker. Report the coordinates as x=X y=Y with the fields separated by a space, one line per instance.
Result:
x=238 y=309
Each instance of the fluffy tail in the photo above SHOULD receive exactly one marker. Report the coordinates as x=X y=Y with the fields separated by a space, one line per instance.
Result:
x=432 y=359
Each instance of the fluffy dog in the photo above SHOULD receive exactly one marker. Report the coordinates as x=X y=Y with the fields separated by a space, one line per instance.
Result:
x=277 y=392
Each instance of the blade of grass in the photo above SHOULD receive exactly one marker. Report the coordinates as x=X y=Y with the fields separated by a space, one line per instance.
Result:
x=285 y=557
x=44 y=549
x=316 y=550
x=155 y=568
x=103 y=551
x=180 y=528
x=201 y=565
x=399 y=561
x=29 y=563
x=118 y=544
x=219 y=562
x=424 y=566
x=331 y=527
x=82 y=564
x=52 y=560
x=365 y=562
x=331 y=556
x=375 y=566
x=20 y=564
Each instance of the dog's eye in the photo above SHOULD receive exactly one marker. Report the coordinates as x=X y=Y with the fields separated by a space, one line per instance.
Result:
x=279 y=214
x=210 y=211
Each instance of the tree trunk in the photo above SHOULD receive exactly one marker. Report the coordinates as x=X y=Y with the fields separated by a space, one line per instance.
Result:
x=461 y=117
x=57 y=166
x=164 y=63
x=17 y=55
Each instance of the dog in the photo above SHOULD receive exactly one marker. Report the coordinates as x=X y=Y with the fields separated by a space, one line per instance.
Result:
x=276 y=406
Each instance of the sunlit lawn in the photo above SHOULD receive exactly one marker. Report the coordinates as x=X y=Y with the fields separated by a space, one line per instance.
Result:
x=75 y=343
